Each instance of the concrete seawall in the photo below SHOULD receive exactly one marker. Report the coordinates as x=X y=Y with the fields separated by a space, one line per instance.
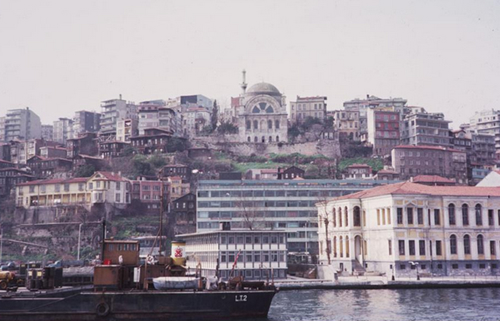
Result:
x=384 y=283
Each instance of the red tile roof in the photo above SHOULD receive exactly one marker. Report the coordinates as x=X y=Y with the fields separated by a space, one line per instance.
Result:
x=56 y=181
x=408 y=188
x=112 y=176
x=432 y=179
x=358 y=165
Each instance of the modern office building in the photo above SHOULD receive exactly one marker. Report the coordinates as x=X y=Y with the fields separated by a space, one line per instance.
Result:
x=271 y=204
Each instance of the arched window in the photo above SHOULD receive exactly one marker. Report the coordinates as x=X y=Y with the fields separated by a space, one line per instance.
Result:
x=451 y=214
x=277 y=124
x=480 y=244
x=479 y=215
x=334 y=246
x=256 y=139
x=341 y=247
x=334 y=217
x=340 y=217
x=249 y=139
x=466 y=244
x=465 y=214
x=453 y=244
x=249 y=125
x=277 y=138
x=255 y=124
x=347 y=246
x=357 y=216
x=269 y=124
x=270 y=138
x=346 y=214
x=263 y=139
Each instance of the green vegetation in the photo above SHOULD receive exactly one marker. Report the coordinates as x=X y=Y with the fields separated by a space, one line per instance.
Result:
x=85 y=171
x=176 y=144
x=376 y=164
x=227 y=128
x=144 y=166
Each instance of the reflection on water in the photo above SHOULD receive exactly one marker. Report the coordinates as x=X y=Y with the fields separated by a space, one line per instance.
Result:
x=382 y=305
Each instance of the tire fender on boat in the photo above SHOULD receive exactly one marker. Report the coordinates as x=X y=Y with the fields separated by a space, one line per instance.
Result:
x=102 y=309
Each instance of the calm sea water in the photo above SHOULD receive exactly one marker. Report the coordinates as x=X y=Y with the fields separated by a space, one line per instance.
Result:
x=387 y=305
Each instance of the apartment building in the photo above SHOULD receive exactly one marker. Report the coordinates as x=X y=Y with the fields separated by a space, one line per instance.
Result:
x=410 y=161
x=86 y=122
x=398 y=228
x=112 y=111
x=383 y=126
x=304 y=107
x=20 y=124
x=423 y=128
x=347 y=124
x=63 y=130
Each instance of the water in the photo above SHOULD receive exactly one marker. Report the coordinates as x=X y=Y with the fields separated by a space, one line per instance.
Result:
x=387 y=305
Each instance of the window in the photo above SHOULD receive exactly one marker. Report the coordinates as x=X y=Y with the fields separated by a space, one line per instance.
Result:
x=468 y=266
x=492 y=248
x=491 y=219
x=400 y=215
x=437 y=220
x=454 y=266
x=466 y=244
x=420 y=216
x=357 y=216
x=421 y=247
x=479 y=218
x=451 y=214
x=465 y=214
x=411 y=245
x=66 y=187
x=346 y=213
x=438 y=249
x=389 y=243
x=401 y=245
x=453 y=244
x=117 y=197
x=409 y=213
x=480 y=244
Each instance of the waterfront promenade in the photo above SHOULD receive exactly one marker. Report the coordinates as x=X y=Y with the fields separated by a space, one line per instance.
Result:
x=384 y=282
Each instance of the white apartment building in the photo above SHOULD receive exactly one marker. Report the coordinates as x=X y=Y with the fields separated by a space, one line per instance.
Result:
x=20 y=124
x=63 y=130
x=304 y=107
x=114 y=110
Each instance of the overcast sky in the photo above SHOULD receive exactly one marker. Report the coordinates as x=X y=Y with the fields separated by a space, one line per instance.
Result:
x=58 y=57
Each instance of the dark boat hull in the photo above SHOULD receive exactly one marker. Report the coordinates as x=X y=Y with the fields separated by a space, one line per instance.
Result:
x=136 y=305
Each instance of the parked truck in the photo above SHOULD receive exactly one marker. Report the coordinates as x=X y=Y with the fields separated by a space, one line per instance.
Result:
x=7 y=279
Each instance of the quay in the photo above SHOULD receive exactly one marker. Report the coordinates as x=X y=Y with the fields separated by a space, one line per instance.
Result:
x=383 y=282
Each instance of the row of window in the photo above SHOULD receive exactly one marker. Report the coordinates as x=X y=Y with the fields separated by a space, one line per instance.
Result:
x=253 y=257
x=269 y=124
x=263 y=140
x=252 y=239
x=253 y=204
x=254 y=274
x=465 y=246
x=255 y=214
x=272 y=193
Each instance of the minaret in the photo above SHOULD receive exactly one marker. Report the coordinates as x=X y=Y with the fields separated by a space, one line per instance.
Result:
x=244 y=83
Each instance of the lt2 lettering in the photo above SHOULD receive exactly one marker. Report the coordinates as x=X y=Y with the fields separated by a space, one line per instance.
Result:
x=240 y=298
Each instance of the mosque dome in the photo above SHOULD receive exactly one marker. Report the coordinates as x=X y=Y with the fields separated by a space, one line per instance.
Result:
x=263 y=88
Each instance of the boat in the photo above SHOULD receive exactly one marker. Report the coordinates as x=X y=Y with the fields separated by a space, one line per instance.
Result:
x=124 y=289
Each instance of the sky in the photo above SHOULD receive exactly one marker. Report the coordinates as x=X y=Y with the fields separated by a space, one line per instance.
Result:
x=60 y=56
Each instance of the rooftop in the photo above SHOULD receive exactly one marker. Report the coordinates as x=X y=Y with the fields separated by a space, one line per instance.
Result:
x=409 y=188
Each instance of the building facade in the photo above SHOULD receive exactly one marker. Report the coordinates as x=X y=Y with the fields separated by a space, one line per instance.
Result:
x=410 y=161
x=423 y=128
x=273 y=204
x=256 y=255
x=383 y=127
x=86 y=122
x=21 y=124
x=63 y=130
x=398 y=228
x=347 y=123
x=304 y=107
x=47 y=132
x=112 y=111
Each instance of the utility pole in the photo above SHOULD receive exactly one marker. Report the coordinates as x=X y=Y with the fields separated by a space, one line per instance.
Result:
x=79 y=240
x=1 y=244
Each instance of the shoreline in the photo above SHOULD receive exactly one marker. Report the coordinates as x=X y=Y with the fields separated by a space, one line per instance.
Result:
x=383 y=283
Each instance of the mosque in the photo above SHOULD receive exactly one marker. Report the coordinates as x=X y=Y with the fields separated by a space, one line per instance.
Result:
x=262 y=116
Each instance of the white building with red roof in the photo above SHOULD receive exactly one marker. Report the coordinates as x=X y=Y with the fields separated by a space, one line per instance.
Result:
x=398 y=228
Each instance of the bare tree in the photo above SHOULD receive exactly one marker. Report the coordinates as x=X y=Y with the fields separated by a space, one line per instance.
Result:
x=322 y=205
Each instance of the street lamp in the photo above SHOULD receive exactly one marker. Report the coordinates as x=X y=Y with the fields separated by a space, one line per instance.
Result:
x=79 y=239
x=415 y=264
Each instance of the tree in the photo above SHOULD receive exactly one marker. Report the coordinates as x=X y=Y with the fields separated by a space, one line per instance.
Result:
x=85 y=171
x=141 y=166
x=227 y=128
x=157 y=161
x=176 y=144
x=215 y=116
x=324 y=220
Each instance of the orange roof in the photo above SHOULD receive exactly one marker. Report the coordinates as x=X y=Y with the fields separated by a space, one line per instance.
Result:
x=408 y=188
x=56 y=181
x=432 y=179
x=112 y=176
